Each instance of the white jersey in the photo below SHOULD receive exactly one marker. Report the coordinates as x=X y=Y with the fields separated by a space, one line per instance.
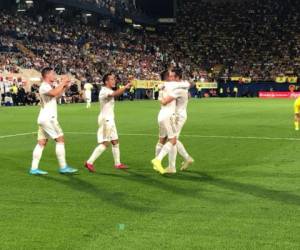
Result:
x=48 y=110
x=107 y=104
x=166 y=111
x=179 y=91
x=182 y=102
x=88 y=88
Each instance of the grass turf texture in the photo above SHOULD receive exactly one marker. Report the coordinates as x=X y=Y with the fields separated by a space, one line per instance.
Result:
x=240 y=193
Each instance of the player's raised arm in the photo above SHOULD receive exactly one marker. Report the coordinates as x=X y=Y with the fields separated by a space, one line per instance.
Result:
x=58 y=91
x=166 y=100
x=120 y=91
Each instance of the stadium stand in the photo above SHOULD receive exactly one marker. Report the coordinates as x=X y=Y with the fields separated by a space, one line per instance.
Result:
x=211 y=41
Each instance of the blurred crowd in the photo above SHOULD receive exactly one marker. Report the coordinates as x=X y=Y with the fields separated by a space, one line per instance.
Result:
x=210 y=41
x=251 y=38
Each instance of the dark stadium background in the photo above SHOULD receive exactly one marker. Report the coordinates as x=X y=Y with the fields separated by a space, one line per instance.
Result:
x=156 y=8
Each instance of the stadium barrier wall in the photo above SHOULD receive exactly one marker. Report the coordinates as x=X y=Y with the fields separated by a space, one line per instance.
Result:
x=253 y=89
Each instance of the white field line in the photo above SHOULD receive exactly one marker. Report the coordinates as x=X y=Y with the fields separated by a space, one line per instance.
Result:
x=204 y=136
x=184 y=135
x=16 y=135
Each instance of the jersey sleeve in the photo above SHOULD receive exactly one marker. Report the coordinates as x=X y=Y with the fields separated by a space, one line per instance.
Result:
x=44 y=89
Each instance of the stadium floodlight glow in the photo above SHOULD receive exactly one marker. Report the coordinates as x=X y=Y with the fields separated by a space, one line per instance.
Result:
x=88 y=14
x=60 y=9
x=29 y=1
x=21 y=10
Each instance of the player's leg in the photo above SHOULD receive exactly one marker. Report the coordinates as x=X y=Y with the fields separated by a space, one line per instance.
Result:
x=54 y=131
x=103 y=143
x=116 y=154
x=88 y=100
x=168 y=147
x=37 y=153
x=60 y=151
x=115 y=146
x=297 y=115
x=161 y=142
x=297 y=121
x=188 y=160
x=171 y=169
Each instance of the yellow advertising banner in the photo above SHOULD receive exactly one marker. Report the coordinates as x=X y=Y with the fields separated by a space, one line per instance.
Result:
x=150 y=84
x=292 y=79
x=145 y=84
x=206 y=85
x=281 y=79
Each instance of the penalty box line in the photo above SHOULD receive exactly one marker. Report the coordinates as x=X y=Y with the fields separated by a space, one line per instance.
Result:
x=183 y=135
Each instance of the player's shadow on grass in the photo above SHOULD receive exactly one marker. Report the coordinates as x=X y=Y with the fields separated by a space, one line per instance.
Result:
x=119 y=199
x=154 y=183
x=251 y=189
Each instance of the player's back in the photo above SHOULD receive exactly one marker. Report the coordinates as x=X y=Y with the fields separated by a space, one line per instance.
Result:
x=48 y=104
x=182 y=102
x=107 y=103
x=167 y=110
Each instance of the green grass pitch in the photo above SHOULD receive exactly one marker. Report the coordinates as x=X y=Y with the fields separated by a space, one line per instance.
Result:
x=243 y=192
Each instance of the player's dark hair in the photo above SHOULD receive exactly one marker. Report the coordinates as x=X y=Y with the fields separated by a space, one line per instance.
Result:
x=178 y=72
x=106 y=76
x=164 y=75
x=46 y=71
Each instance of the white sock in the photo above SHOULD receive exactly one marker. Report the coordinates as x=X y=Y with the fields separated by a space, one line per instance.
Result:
x=158 y=148
x=61 y=154
x=164 y=151
x=97 y=152
x=116 y=153
x=182 y=151
x=36 y=156
x=172 y=157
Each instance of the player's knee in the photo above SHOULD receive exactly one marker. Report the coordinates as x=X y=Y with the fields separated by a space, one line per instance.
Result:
x=60 y=139
x=173 y=141
x=115 y=142
x=106 y=143
x=42 y=143
x=162 y=140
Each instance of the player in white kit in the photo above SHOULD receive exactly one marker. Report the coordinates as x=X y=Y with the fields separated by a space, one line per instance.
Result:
x=107 y=132
x=88 y=94
x=167 y=126
x=181 y=118
x=176 y=90
x=49 y=127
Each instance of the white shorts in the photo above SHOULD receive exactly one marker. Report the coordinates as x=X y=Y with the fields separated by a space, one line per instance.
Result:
x=107 y=131
x=49 y=129
x=167 y=128
x=180 y=121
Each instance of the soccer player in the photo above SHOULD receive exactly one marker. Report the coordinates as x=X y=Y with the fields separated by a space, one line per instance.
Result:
x=88 y=94
x=167 y=127
x=107 y=132
x=181 y=117
x=297 y=113
x=48 y=123
x=179 y=93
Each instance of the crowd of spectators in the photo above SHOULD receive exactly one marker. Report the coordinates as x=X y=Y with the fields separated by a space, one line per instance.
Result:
x=250 y=38
x=210 y=41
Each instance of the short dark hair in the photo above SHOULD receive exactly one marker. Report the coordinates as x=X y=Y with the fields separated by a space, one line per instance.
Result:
x=178 y=72
x=164 y=75
x=46 y=71
x=106 y=76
